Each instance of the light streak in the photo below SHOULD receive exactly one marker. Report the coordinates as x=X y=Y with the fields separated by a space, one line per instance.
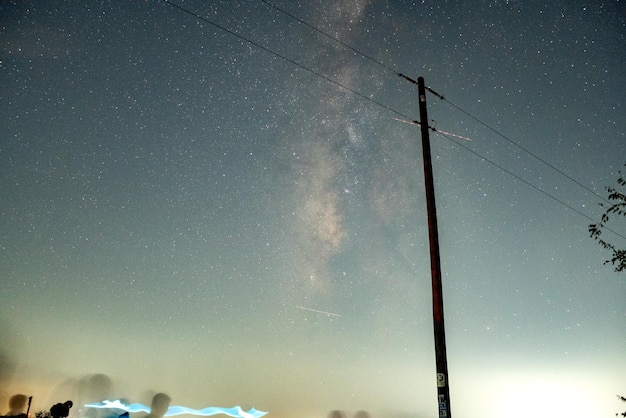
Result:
x=408 y=122
x=317 y=310
x=412 y=122
x=235 y=411
x=451 y=134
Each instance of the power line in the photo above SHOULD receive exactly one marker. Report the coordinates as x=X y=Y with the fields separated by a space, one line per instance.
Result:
x=521 y=147
x=363 y=96
x=542 y=160
x=330 y=37
x=448 y=135
x=289 y=60
x=539 y=189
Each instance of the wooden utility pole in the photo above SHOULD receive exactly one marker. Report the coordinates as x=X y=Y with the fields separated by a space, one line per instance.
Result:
x=443 y=390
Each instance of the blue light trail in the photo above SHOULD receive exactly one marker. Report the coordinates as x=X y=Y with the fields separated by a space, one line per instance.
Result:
x=235 y=411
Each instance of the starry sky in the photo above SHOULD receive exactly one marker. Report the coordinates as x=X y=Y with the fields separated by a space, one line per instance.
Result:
x=221 y=200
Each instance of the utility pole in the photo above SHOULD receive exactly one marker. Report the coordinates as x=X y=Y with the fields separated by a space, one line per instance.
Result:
x=443 y=390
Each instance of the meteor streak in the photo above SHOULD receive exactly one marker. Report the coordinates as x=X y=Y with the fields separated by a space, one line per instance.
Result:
x=317 y=310
x=413 y=122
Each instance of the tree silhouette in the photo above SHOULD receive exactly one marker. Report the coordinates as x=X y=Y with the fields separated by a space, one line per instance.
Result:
x=621 y=413
x=617 y=200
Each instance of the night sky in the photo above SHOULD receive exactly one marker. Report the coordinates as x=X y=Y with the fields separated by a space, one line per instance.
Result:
x=223 y=203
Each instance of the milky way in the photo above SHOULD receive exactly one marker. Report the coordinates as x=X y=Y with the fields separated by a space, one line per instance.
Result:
x=220 y=201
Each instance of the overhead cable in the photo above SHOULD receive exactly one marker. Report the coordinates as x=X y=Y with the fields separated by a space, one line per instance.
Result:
x=363 y=96
x=289 y=60
x=368 y=57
